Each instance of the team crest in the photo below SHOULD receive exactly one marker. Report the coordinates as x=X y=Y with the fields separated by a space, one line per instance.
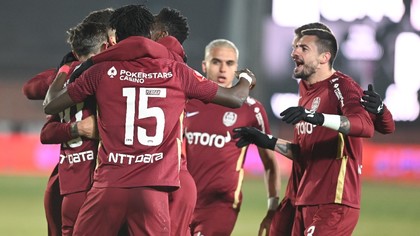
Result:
x=229 y=118
x=315 y=104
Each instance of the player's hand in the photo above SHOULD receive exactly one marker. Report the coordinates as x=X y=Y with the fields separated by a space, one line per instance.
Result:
x=293 y=115
x=69 y=57
x=88 y=128
x=266 y=223
x=248 y=135
x=372 y=102
x=80 y=69
x=250 y=74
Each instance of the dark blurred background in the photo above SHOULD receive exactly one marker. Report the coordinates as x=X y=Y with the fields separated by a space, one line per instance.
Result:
x=379 y=44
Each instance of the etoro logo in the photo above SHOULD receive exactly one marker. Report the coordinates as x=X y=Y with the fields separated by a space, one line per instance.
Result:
x=206 y=139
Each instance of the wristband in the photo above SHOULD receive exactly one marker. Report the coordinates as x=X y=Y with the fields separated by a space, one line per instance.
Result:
x=332 y=121
x=272 y=203
x=64 y=69
x=74 y=131
x=246 y=76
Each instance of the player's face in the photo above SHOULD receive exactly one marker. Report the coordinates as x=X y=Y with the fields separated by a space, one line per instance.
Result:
x=305 y=55
x=220 y=66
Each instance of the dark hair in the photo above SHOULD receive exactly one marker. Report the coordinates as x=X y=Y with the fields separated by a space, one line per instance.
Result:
x=314 y=25
x=326 y=41
x=172 y=21
x=100 y=16
x=131 y=20
x=86 y=38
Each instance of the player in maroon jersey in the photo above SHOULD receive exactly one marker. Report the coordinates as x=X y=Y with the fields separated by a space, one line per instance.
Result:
x=182 y=201
x=283 y=220
x=327 y=163
x=55 y=131
x=214 y=161
x=79 y=144
x=140 y=103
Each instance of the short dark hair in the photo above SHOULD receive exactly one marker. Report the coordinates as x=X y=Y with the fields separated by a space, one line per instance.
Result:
x=100 y=16
x=314 y=25
x=131 y=20
x=326 y=41
x=86 y=38
x=172 y=21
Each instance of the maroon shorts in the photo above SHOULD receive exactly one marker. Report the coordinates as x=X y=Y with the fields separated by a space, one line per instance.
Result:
x=218 y=220
x=70 y=208
x=328 y=219
x=144 y=210
x=182 y=204
x=282 y=222
x=52 y=204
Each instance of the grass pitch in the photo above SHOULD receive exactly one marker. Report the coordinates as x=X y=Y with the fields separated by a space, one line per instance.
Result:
x=388 y=209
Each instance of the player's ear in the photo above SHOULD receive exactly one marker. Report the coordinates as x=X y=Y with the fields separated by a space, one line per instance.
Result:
x=203 y=67
x=325 y=57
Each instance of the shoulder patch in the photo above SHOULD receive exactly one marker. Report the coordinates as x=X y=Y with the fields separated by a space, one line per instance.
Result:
x=250 y=100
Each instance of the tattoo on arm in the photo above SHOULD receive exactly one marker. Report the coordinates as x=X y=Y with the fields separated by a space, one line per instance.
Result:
x=344 y=125
x=287 y=149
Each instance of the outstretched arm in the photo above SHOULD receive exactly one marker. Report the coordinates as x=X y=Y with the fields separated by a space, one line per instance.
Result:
x=272 y=181
x=381 y=116
x=253 y=135
x=57 y=97
x=235 y=96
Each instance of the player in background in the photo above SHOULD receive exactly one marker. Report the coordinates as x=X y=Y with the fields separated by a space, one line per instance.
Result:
x=182 y=201
x=326 y=164
x=35 y=89
x=140 y=103
x=213 y=160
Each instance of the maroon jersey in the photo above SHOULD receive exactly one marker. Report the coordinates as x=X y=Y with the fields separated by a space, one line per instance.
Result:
x=214 y=161
x=330 y=162
x=37 y=87
x=384 y=123
x=140 y=105
x=77 y=156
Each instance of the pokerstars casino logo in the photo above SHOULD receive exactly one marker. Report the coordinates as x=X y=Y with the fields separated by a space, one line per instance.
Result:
x=112 y=72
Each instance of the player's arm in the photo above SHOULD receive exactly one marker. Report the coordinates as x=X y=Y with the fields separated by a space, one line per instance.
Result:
x=57 y=97
x=354 y=121
x=384 y=123
x=36 y=87
x=253 y=135
x=55 y=132
x=272 y=180
x=235 y=96
x=293 y=115
x=381 y=116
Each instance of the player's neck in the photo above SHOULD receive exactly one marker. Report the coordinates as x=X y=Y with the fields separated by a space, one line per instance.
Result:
x=320 y=75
